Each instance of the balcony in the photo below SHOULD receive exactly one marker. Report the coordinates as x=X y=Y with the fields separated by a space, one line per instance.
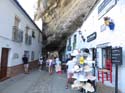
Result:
x=17 y=34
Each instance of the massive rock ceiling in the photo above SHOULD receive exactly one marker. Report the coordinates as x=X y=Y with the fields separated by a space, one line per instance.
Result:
x=61 y=18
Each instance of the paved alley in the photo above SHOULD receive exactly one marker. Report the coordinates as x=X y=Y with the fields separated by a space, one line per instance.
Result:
x=36 y=82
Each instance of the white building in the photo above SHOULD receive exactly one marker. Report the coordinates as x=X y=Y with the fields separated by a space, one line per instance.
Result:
x=102 y=38
x=19 y=35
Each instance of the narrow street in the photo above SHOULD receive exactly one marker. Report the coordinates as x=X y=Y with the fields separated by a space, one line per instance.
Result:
x=36 y=82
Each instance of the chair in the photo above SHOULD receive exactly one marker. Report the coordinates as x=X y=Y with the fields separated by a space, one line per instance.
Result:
x=106 y=72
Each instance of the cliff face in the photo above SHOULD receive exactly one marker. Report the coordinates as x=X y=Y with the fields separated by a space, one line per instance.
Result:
x=61 y=18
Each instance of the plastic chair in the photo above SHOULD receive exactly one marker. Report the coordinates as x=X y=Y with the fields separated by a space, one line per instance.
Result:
x=106 y=72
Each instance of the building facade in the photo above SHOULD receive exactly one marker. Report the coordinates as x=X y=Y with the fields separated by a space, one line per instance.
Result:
x=103 y=31
x=19 y=35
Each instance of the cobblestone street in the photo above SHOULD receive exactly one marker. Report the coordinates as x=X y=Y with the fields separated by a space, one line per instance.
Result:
x=36 y=82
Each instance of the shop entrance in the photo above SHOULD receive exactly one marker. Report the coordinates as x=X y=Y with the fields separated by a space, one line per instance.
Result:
x=4 y=62
x=106 y=55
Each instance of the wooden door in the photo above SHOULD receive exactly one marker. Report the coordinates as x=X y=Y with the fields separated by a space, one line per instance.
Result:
x=4 y=62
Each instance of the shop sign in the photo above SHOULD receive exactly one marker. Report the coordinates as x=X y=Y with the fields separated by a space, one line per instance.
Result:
x=103 y=45
x=105 y=6
x=117 y=55
x=91 y=37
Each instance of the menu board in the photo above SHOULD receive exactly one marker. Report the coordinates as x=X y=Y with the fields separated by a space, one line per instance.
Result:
x=117 y=55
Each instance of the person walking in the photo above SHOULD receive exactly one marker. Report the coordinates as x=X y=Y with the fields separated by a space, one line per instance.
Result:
x=50 y=62
x=25 y=63
x=58 y=66
x=40 y=63
x=70 y=64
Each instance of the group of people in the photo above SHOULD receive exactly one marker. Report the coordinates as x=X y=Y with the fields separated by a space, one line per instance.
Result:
x=51 y=63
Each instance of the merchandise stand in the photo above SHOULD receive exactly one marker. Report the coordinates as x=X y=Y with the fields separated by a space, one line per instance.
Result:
x=84 y=78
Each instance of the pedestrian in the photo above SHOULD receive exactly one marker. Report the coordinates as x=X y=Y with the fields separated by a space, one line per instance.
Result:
x=70 y=64
x=50 y=62
x=25 y=63
x=44 y=63
x=68 y=57
x=40 y=63
x=58 y=66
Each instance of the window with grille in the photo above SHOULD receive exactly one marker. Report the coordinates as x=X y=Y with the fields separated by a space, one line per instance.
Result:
x=32 y=55
x=74 y=41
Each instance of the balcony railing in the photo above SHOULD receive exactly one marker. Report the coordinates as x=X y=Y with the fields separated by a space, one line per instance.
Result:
x=17 y=35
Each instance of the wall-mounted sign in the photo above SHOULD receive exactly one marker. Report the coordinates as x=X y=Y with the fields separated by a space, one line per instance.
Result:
x=105 y=6
x=117 y=55
x=91 y=37
x=15 y=56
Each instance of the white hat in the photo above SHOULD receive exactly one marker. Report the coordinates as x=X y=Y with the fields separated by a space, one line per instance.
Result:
x=88 y=87
x=91 y=77
x=87 y=68
x=76 y=85
x=76 y=68
x=75 y=75
x=82 y=78
x=75 y=53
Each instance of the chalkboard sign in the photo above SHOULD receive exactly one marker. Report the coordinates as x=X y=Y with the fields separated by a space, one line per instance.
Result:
x=117 y=55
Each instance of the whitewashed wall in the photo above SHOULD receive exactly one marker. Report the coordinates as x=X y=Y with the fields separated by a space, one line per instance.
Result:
x=115 y=38
x=8 y=11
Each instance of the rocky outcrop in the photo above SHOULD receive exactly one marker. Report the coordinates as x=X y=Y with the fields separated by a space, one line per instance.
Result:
x=61 y=18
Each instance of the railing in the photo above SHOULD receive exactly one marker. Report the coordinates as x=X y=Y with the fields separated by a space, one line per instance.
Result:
x=17 y=35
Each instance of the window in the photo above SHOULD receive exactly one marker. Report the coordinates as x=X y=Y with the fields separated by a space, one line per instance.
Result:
x=33 y=34
x=38 y=36
x=69 y=45
x=17 y=35
x=69 y=41
x=32 y=55
x=28 y=39
x=74 y=42
x=17 y=21
x=106 y=55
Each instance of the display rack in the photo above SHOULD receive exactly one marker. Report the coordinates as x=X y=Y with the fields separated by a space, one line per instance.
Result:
x=84 y=78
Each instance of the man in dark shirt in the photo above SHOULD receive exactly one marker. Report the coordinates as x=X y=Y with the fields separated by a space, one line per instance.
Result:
x=25 y=63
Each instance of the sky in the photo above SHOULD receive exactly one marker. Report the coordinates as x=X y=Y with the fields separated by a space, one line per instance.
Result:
x=30 y=6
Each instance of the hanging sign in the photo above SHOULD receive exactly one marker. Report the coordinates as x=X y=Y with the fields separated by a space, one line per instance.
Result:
x=117 y=55
x=105 y=6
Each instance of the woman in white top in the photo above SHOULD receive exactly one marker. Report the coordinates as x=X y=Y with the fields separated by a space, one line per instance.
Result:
x=58 y=65
x=50 y=68
x=71 y=63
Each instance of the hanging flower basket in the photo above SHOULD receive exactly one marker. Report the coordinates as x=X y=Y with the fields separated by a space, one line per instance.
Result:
x=108 y=22
x=111 y=26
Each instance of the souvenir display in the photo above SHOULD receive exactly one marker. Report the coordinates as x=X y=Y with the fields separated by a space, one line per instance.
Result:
x=83 y=74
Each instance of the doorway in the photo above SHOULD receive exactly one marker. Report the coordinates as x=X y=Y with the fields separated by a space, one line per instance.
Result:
x=94 y=53
x=106 y=55
x=4 y=62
